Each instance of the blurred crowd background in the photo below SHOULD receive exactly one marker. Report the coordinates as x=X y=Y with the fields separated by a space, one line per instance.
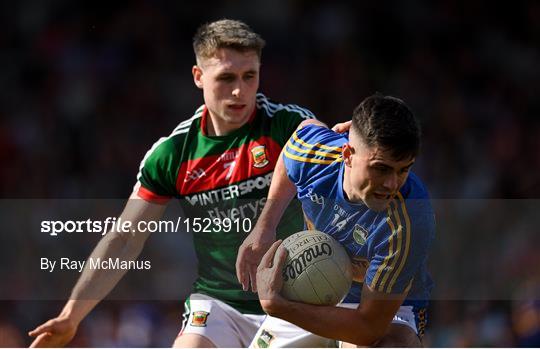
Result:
x=88 y=87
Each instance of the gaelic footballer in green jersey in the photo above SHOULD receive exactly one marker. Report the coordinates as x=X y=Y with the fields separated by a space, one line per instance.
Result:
x=222 y=177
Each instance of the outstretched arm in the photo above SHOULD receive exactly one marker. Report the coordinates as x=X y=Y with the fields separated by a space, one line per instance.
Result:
x=95 y=284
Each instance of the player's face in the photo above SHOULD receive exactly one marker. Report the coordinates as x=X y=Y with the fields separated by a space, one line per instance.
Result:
x=229 y=81
x=375 y=177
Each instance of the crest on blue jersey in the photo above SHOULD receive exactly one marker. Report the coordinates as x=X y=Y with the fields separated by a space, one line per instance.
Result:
x=360 y=234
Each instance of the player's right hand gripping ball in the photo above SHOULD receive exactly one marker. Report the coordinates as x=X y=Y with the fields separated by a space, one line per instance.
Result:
x=318 y=269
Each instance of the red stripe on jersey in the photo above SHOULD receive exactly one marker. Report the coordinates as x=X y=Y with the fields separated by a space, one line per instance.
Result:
x=152 y=197
x=255 y=158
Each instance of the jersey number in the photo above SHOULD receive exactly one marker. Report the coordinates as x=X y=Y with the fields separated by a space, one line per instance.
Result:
x=229 y=165
x=339 y=225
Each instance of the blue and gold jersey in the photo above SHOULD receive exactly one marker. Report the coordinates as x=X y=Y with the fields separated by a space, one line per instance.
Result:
x=388 y=248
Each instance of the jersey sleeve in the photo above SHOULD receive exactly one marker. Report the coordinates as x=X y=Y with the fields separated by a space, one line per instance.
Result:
x=309 y=150
x=402 y=244
x=156 y=181
x=287 y=120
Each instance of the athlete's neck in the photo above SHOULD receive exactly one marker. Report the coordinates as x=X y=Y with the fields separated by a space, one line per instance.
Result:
x=216 y=126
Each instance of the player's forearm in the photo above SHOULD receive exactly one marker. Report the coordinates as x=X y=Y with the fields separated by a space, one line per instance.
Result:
x=95 y=283
x=348 y=325
x=77 y=309
x=280 y=194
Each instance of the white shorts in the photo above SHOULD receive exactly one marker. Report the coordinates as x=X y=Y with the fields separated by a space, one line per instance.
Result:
x=278 y=333
x=225 y=326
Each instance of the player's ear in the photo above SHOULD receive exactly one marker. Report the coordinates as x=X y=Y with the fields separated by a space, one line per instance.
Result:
x=347 y=152
x=197 y=76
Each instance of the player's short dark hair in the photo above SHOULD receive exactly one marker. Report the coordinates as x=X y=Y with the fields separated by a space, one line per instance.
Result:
x=226 y=33
x=387 y=122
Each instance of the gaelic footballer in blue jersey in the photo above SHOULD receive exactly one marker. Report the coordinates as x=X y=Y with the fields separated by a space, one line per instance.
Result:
x=359 y=189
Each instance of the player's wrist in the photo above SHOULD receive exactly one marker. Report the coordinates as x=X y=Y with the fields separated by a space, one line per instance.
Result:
x=275 y=305
x=70 y=315
x=266 y=231
x=69 y=319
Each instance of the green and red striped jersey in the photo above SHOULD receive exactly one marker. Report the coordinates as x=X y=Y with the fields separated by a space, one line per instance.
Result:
x=222 y=177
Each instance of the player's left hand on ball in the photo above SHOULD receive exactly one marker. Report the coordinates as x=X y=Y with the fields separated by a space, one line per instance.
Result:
x=269 y=275
x=250 y=254
x=342 y=127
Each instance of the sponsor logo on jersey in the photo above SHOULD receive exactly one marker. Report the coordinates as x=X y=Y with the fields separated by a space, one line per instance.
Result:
x=315 y=198
x=264 y=340
x=199 y=318
x=230 y=192
x=360 y=234
x=249 y=210
x=259 y=156
x=195 y=174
